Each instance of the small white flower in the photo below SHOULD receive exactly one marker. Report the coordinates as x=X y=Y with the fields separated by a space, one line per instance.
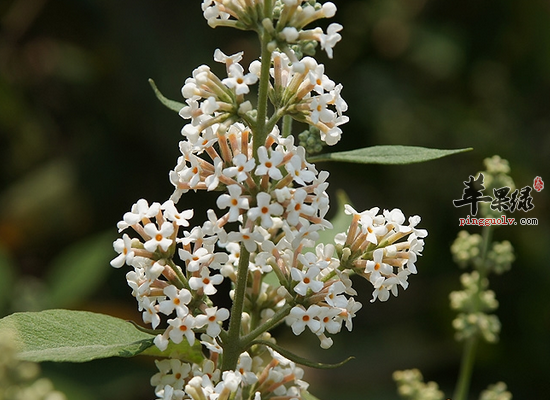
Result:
x=172 y=214
x=170 y=393
x=139 y=211
x=237 y=80
x=178 y=299
x=329 y=40
x=269 y=165
x=246 y=237
x=219 y=56
x=234 y=201
x=331 y=136
x=329 y=320
x=319 y=110
x=241 y=166
x=381 y=291
x=306 y=280
x=172 y=372
x=338 y=101
x=150 y=313
x=124 y=248
x=376 y=268
x=265 y=209
x=213 y=180
x=209 y=106
x=159 y=237
x=205 y=282
x=161 y=341
x=349 y=312
x=395 y=218
x=211 y=344
x=300 y=318
x=182 y=327
x=300 y=174
x=194 y=261
x=211 y=319
x=322 y=82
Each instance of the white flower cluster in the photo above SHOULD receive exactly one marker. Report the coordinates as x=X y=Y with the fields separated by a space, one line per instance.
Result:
x=253 y=379
x=262 y=236
x=299 y=89
x=285 y=22
x=372 y=247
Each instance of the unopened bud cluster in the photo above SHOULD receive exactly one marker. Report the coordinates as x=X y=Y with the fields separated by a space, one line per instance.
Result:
x=411 y=386
x=496 y=176
x=20 y=380
x=474 y=304
x=467 y=250
x=498 y=391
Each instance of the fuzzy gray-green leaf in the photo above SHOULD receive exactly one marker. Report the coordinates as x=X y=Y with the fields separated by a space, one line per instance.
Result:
x=387 y=155
x=307 y=396
x=171 y=104
x=73 y=336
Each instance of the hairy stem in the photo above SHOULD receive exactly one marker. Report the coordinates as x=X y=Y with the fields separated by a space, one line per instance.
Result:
x=269 y=324
x=260 y=131
x=232 y=345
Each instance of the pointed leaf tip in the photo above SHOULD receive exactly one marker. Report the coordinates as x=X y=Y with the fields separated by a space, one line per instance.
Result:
x=171 y=104
x=300 y=360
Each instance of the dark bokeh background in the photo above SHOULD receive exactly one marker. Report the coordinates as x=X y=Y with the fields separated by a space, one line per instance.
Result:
x=82 y=137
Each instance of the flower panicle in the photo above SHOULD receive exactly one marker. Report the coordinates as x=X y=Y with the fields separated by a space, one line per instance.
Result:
x=262 y=235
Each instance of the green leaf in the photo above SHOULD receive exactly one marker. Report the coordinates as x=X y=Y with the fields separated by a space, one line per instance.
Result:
x=387 y=155
x=78 y=271
x=171 y=104
x=182 y=351
x=305 y=395
x=73 y=336
x=297 y=359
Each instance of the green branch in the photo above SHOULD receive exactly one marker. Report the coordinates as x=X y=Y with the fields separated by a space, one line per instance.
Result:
x=232 y=345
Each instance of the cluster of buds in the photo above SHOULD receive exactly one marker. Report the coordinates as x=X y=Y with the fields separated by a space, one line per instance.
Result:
x=262 y=236
x=286 y=23
x=254 y=379
x=474 y=302
x=498 y=391
x=496 y=175
x=411 y=386
x=373 y=248
x=20 y=380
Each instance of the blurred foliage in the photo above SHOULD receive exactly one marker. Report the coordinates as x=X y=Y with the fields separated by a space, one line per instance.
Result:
x=82 y=137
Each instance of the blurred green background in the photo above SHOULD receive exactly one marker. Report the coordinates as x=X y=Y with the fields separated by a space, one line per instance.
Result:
x=82 y=137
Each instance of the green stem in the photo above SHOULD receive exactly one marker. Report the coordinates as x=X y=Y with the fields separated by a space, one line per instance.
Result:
x=260 y=131
x=469 y=352
x=182 y=283
x=287 y=126
x=271 y=323
x=466 y=369
x=232 y=345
